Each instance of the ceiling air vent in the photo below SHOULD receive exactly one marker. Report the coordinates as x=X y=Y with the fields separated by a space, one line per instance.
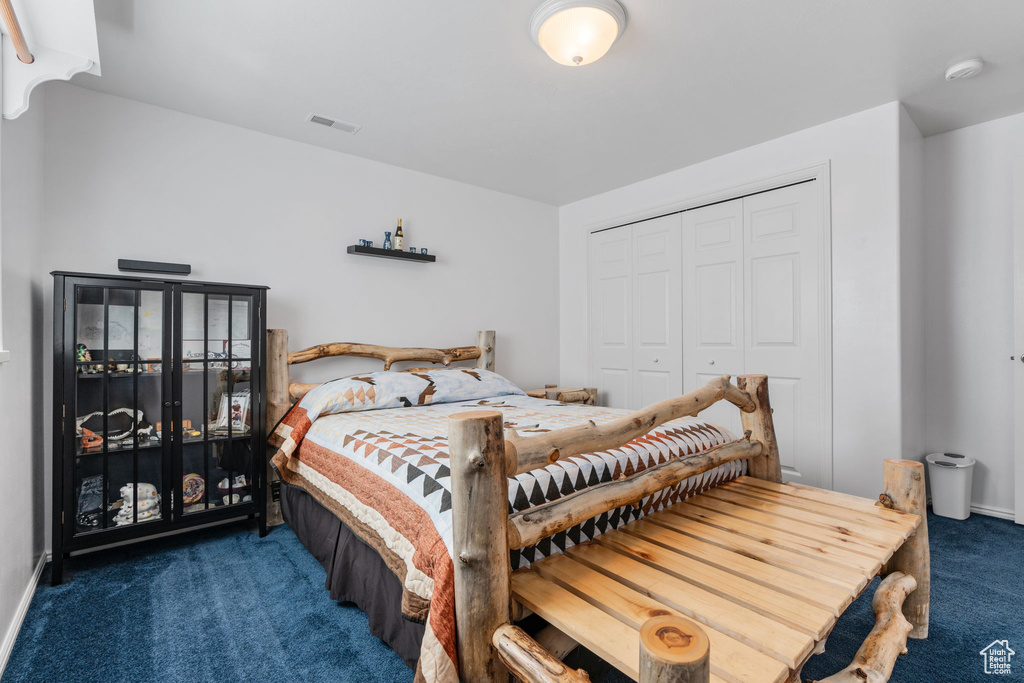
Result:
x=334 y=123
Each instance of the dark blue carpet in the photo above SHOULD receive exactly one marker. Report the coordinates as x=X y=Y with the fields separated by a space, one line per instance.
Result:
x=224 y=605
x=216 y=605
x=977 y=597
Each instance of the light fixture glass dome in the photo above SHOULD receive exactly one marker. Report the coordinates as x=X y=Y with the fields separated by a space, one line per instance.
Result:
x=575 y=33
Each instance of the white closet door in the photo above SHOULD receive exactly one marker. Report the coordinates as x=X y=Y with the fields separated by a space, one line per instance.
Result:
x=784 y=320
x=657 y=357
x=730 y=288
x=713 y=339
x=611 y=312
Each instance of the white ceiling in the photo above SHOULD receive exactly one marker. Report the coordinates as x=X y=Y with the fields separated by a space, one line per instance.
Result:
x=458 y=89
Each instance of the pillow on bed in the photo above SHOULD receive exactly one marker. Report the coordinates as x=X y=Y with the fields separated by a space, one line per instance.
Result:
x=378 y=390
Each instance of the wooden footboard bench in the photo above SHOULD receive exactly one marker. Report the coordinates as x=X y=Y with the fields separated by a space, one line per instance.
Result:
x=743 y=582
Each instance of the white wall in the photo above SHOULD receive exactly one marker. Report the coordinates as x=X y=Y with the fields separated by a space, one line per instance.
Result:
x=129 y=180
x=246 y=207
x=23 y=461
x=863 y=150
x=969 y=300
x=912 y=286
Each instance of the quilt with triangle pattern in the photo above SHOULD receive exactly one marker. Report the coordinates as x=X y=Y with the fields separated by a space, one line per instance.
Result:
x=385 y=474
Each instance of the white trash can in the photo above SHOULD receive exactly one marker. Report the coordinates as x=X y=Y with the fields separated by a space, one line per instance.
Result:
x=951 y=476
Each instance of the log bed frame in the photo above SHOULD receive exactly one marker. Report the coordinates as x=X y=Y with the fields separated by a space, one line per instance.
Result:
x=638 y=596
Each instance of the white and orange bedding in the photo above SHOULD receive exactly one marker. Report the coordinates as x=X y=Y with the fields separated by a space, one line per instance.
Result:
x=384 y=472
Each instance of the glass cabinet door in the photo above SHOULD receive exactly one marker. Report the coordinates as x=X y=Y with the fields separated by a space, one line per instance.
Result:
x=119 y=389
x=217 y=413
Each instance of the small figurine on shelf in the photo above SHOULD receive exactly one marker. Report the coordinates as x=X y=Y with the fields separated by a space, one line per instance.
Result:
x=399 y=237
x=238 y=486
x=83 y=354
x=141 y=496
x=91 y=441
x=387 y=239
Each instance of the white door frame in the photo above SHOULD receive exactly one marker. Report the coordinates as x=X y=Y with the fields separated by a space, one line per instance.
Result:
x=820 y=172
x=1018 y=338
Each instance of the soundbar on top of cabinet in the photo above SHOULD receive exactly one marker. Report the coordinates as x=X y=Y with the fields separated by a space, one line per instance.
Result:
x=154 y=267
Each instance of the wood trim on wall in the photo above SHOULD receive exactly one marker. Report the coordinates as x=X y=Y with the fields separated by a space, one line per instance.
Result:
x=1018 y=338
x=7 y=644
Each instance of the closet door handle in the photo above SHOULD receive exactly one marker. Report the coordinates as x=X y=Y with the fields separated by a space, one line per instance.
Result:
x=177 y=404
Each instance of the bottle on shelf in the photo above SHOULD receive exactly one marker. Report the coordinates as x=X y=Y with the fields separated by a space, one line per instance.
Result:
x=399 y=237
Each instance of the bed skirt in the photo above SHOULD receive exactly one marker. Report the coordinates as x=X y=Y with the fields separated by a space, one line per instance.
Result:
x=355 y=572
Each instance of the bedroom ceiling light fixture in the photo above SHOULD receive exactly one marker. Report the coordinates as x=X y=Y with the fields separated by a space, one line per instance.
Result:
x=577 y=32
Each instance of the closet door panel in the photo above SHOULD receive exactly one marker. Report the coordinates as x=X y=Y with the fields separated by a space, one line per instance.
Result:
x=614 y=320
x=611 y=312
x=775 y=301
x=716 y=311
x=613 y=386
x=657 y=358
x=712 y=280
x=783 y=319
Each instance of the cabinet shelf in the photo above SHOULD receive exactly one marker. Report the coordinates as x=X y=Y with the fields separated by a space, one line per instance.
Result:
x=118 y=375
x=240 y=374
x=153 y=446
x=391 y=253
x=219 y=438
x=156 y=445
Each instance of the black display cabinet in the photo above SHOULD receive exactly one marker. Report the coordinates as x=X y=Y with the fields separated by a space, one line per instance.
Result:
x=158 y=403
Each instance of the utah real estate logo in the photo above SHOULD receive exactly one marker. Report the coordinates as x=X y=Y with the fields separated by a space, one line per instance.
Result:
x=997 y=657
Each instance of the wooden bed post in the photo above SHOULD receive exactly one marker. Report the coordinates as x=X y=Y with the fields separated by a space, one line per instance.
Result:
x=877 y=655
x=529 y=661
x=759 y=424
x=483 y=590
x=278 y=403
x=674 y=650
x=485 y=340
x=905 y=491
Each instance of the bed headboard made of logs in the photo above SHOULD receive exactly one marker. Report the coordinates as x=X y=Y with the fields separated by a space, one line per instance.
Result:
x=281 y=391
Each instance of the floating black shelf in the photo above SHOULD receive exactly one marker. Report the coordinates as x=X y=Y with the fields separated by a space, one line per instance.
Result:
x=391 y=253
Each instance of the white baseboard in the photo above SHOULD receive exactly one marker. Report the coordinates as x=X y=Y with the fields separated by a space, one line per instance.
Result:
x=1002 y=513
x=19 y=616
x=988 y=510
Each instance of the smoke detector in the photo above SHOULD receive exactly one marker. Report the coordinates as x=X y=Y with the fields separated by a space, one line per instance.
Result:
x=965 y=69
x=343 y=126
